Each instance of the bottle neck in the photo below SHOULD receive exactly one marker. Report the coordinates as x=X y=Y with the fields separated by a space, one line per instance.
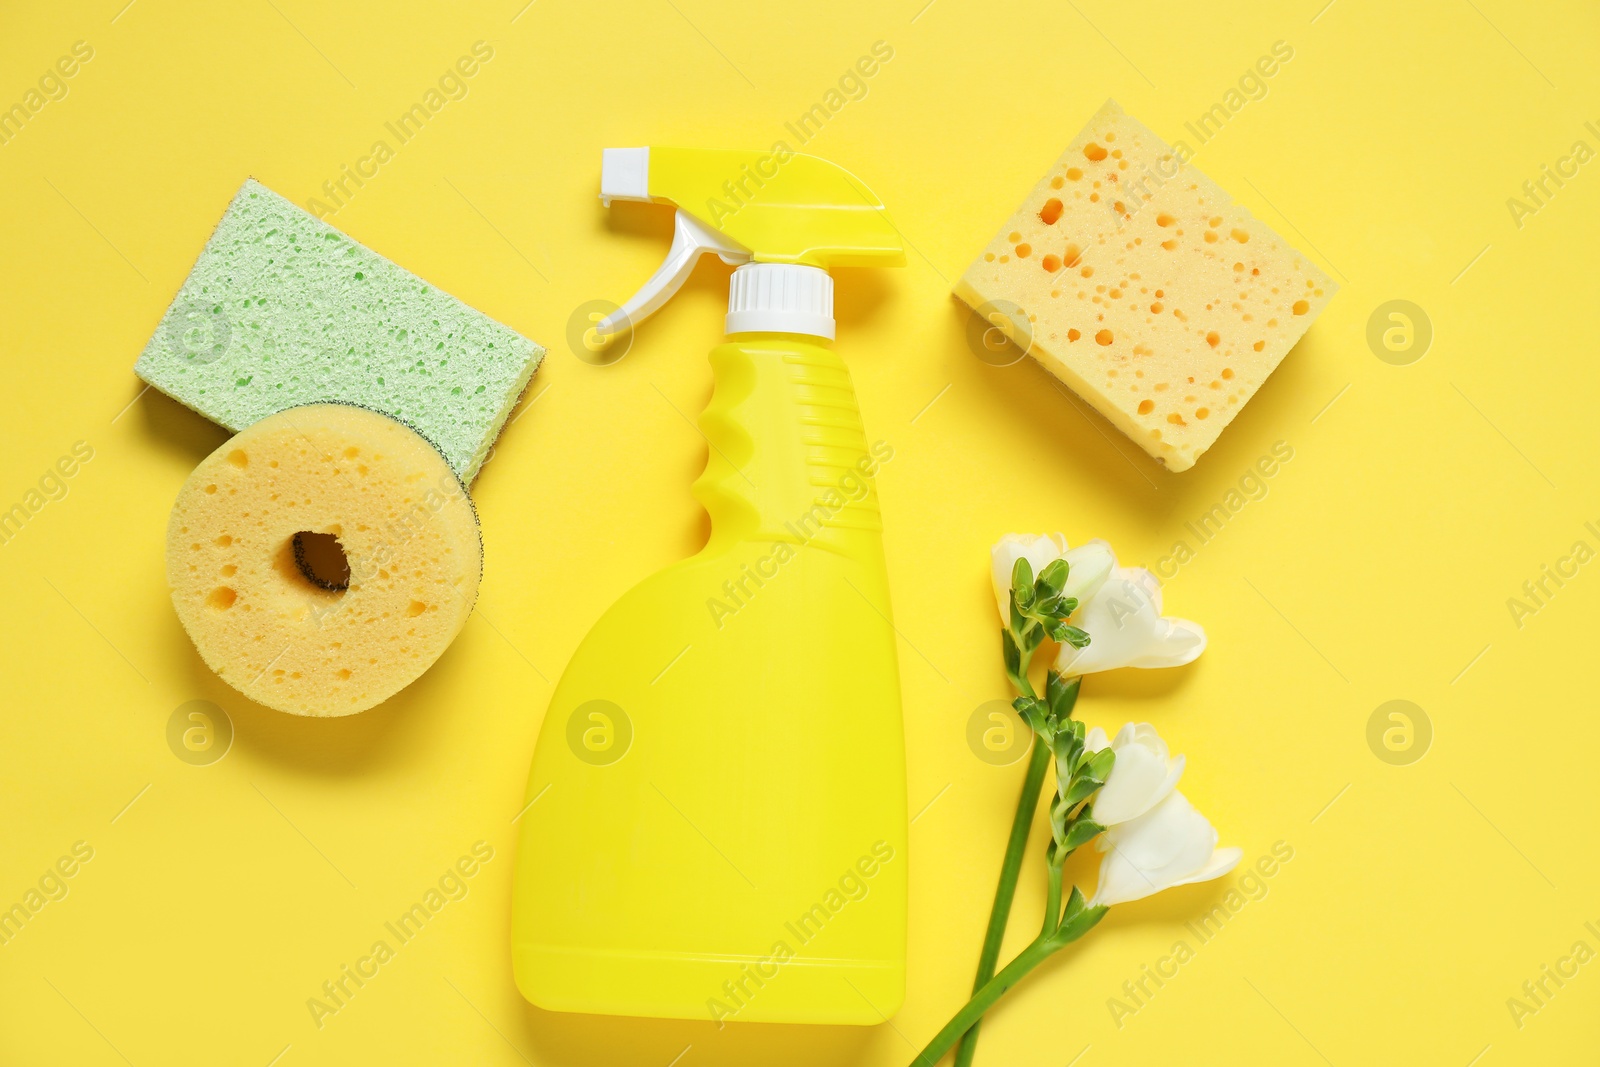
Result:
x=781 y=298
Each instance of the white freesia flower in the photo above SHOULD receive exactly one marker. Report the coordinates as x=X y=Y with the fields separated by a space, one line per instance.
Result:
x=1119 y=607
x=1141 y=777
x=1126 y=628
x=1172 y=844
x=1088 y=565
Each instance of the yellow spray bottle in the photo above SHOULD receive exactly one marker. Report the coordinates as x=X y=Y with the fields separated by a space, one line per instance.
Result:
x=716 y=819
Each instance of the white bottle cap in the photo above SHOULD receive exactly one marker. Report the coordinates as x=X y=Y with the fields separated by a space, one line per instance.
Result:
x=780 y=298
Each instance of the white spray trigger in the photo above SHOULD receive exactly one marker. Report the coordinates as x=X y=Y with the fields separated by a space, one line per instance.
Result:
x=690 y=241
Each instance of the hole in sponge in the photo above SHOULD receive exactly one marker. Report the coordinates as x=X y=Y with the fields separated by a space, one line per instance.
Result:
x=321 y=560
x=221 y=598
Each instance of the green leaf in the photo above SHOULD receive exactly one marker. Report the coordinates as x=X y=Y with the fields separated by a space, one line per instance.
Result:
x=1076 y=638
x=1080 y=923
x=1057 y=630
x=1083 y=831
x=1013 y=654
x=1074 y=908
x=1067 y=728
x=1076 y=728
x=1064 y=746
x=1080 y=790
x=1098 y=766
x=1067 y=605
x=1034 y=714
x=1022 y=582
x=1062 y=695
x=1032 y=638
x=1052 y=578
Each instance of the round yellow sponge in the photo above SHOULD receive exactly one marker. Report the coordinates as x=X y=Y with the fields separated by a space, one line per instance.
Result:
x=323 y=558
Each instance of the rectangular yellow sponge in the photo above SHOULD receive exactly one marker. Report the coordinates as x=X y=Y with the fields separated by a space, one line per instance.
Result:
x=1139 y=282
x=282 y=309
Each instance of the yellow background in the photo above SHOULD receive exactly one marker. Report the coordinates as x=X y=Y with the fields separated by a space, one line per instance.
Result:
x=1377 y=567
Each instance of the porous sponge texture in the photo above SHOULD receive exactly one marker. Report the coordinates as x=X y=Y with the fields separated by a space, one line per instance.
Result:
x=1139 y=282
x=403 y=519
x=282 y=309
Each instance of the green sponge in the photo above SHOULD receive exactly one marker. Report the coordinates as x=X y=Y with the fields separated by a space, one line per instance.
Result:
x=282 y=309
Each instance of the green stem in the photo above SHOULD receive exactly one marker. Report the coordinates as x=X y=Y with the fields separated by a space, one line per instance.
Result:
x=967 y=1018
x=1006 y=891
x=1000 y=915
x=1052 y=903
